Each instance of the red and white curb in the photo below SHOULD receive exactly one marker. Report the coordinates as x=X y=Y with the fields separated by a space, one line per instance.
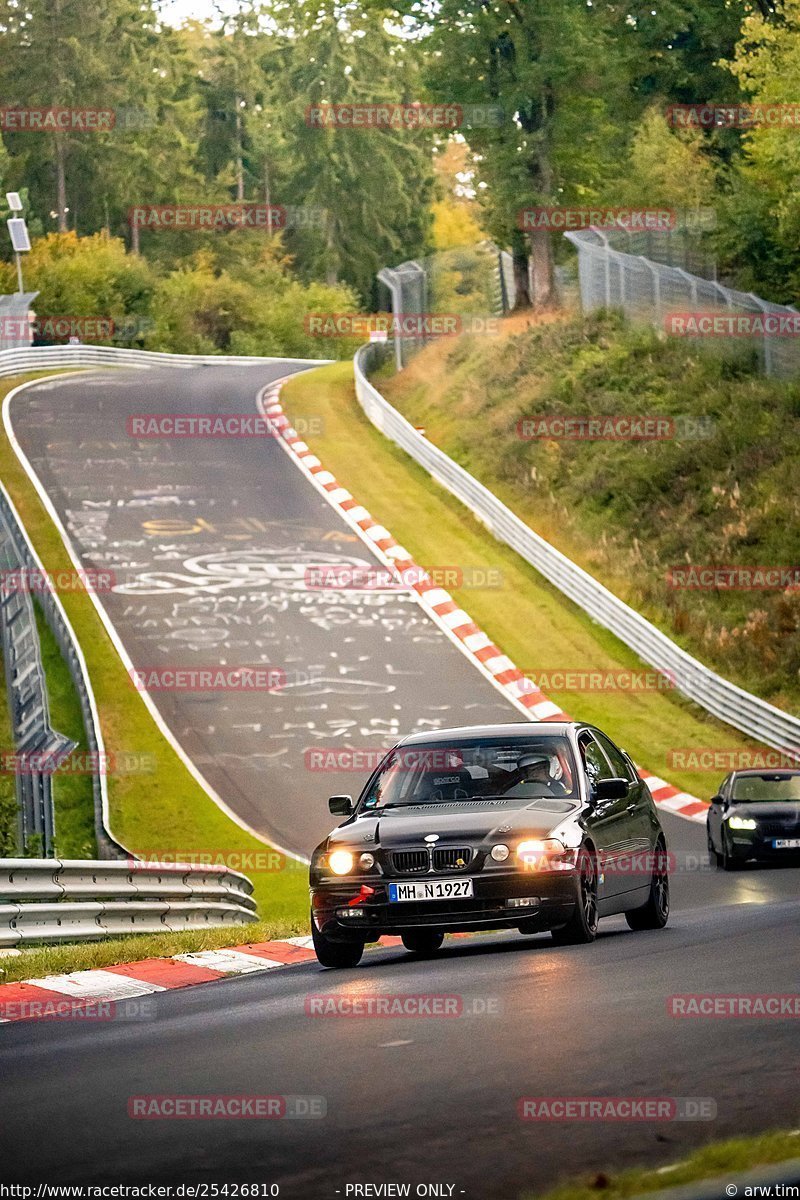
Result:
x=94 y=994
x=440 y=605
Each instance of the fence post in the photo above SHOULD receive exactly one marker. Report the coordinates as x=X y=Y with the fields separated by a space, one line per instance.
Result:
x=765 y=343
x=387 y=278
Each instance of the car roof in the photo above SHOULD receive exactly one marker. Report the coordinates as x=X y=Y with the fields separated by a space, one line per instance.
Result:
x=512 y=729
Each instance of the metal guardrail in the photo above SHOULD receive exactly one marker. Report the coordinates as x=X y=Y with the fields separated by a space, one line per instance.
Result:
x=55 y=900
x=647 y=290
x=30 y=739
x=37 y=748
x=716 y=695
x=49 y=358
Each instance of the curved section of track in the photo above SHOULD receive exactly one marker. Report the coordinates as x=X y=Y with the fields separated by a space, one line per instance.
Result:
x=209 y=540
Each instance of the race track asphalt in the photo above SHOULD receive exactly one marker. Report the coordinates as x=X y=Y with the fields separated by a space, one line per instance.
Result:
x=427 y=1100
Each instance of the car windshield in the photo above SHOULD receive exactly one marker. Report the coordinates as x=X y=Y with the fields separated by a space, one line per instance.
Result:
x=766 y=787
x=480 y=769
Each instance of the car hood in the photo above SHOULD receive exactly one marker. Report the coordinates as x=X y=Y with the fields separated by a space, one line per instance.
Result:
x=767 y=810
x=473 y=822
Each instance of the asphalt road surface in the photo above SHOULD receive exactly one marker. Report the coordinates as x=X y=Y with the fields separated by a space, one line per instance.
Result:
x=208 y=541
x=430 y=1100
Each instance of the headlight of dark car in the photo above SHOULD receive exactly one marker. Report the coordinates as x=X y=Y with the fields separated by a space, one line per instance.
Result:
x=544 y=854
x=341 y=862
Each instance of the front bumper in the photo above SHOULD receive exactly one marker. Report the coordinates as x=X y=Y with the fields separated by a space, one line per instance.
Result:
x=753 y=843
x=552 y=896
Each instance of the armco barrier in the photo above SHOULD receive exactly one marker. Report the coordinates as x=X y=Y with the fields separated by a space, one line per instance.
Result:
x=716 y=695
x=29 y=707
x=53 y=358
x=56 y=617
x=54 y=900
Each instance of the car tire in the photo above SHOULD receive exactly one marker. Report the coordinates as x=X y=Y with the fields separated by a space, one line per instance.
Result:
x=335 y=954
x=654 y=914
x=422 y=942
x=729 y=860
x=581 y=928
x=715 y=855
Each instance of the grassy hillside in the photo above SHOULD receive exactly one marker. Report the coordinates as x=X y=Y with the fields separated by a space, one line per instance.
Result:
x=526 y=617
x=723 y=490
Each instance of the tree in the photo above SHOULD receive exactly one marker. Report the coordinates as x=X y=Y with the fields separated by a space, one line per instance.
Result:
x=456 y=214
x=672 y=49
x=667 y=168
x=373 y=185
x=548 y=68
x=761 y=234
x=85 y=277
x=110 y=56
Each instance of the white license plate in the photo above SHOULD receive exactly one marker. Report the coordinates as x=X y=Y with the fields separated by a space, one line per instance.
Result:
x=786 y=844
x=432 y=889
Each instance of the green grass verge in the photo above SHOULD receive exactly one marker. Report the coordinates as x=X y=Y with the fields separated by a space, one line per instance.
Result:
x=718 y=1158
x=73 y=798
x=530 y=620
x=166 y=808
x=37 y=961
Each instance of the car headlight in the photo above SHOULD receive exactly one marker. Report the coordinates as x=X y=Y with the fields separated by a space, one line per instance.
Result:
x=742 y=823
x=500 y=852
x=366 y=861
x=541 y=853
x=341 y=862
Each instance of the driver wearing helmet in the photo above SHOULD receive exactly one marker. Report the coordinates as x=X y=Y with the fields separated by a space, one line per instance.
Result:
x=539 y=767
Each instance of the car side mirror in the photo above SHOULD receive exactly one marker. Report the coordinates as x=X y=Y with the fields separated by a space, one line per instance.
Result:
x=341 y=806
x=717 y=800
x=611 y=789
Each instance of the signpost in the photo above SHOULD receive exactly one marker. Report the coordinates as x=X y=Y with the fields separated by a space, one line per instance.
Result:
x=18 y=232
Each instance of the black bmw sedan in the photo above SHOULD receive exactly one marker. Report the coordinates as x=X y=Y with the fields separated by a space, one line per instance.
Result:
x=755 y=815
x=534 y=826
